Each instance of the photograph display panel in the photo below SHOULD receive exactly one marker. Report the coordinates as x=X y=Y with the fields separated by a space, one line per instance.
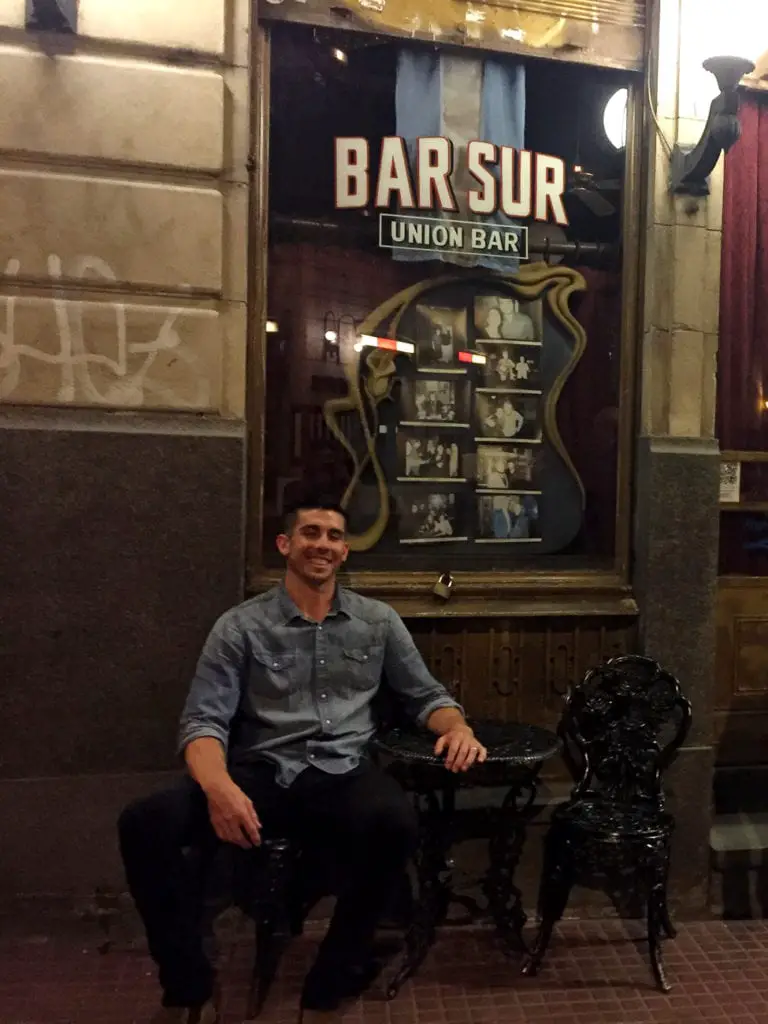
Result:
x=508 y=518
x=425 y=454
x=470 y=427
x=441 y=333
x=508 y=415
x=505 y=467
x=443 y=401
x=511 y=365
x=431 y=517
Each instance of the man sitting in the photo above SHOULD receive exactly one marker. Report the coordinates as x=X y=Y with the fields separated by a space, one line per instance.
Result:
x=274 y=735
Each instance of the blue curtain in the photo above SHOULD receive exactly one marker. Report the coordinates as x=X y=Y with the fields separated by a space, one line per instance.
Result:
x=419 y=108
x=502 y=122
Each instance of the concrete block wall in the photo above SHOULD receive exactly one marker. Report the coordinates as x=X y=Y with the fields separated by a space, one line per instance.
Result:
x=124 y=197
x=124 y=208
x=684 y=236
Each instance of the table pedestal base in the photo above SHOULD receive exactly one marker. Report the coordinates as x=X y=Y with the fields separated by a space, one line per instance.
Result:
x=434 y=872
x=505 y=900
x=434 y=876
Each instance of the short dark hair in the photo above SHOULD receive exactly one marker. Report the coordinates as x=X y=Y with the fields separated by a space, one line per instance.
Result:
x=308 y=502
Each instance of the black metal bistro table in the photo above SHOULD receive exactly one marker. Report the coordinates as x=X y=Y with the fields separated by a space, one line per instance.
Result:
x=516 y=753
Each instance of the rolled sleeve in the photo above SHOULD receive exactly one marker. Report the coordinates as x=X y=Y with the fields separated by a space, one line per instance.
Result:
x=410 y=678
x=214 y=695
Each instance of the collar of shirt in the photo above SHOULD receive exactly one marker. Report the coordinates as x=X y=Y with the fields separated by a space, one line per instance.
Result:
x=289 y=611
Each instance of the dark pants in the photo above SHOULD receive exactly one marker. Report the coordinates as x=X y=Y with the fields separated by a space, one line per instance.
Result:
x=364 y=814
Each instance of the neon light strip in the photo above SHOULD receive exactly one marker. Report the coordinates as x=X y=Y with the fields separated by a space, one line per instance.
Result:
x=369 y=341
x=472 y=357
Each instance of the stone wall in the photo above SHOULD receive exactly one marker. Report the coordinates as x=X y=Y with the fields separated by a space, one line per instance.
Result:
x=123 y=229
x=124 y=208
x=677 y=467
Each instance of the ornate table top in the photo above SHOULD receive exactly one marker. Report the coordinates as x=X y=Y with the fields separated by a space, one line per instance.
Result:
x=509 y=743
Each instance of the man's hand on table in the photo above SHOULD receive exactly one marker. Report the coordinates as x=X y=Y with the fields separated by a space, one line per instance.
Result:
x=233 y=815
x=460 y=748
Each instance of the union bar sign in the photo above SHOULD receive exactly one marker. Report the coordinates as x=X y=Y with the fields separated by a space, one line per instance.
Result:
x=434 y=234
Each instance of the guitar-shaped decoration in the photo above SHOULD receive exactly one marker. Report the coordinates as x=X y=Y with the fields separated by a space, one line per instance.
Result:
x=450 y=419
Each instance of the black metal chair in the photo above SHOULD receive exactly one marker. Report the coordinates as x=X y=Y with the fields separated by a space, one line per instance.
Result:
x=272 y=887
x=277 y=895
x=620 y=730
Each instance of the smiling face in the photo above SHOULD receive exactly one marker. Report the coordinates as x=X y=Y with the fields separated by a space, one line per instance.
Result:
x=315 y=546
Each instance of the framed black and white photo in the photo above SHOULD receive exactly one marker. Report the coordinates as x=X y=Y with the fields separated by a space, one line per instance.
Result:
x=500 y=317
x=507 y=518
x=425 y=454
x=441 y=335
x=439 y=402
x=515 y=365
x=507 y=415
x=430 y=517
x=502 y=467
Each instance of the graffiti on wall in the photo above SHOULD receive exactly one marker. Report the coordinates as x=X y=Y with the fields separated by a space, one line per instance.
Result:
x=97 y=353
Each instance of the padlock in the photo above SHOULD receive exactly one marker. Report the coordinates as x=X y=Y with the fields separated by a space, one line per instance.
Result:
x=443 y=587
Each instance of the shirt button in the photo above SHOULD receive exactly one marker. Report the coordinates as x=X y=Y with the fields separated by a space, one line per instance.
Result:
x=319 y=629
x=322 y=661
x=323 y=696
x=311 y=757
x=327 y=721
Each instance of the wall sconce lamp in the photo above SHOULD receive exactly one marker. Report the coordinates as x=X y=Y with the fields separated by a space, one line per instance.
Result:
x=51 y=16
x=691 y=166
x=331 y=340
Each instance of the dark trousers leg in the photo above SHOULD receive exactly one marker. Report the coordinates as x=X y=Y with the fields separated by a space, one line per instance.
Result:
x=374 y=832
x=167 y=886
x=372 y=828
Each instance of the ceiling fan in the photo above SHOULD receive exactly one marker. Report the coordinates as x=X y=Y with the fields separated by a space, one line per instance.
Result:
x=601 y=197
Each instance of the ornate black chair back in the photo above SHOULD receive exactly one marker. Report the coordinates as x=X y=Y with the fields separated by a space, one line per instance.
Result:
x=621 y=728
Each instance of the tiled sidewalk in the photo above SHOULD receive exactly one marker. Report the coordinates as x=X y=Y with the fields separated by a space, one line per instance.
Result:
x=597 y=973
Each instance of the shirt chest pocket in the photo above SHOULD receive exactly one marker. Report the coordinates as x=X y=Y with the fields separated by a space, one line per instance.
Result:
x=362 y=668
x=274 y=676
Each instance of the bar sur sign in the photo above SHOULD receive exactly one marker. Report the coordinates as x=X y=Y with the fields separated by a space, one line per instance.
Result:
x=519 y=183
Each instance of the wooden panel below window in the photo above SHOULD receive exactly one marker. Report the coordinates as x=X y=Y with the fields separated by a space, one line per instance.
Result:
x=518 y=670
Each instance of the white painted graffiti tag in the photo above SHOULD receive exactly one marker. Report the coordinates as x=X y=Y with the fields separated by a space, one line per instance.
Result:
x=121 y=376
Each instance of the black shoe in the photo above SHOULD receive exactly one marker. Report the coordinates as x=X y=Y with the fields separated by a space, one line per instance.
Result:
x=329 y=984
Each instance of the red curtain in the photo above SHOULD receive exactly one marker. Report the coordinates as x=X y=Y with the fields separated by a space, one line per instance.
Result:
x=742 y=418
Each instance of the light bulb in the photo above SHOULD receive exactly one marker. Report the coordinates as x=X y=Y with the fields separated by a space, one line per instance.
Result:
x=615 y=119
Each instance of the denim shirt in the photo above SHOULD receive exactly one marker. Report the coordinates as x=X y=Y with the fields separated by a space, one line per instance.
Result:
x=272 y=684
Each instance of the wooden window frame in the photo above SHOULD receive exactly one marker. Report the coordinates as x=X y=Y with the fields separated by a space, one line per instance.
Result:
x=576 y=592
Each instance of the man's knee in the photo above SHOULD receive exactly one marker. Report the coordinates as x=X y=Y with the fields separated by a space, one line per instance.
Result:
x=139 y=821
x=157 y=819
